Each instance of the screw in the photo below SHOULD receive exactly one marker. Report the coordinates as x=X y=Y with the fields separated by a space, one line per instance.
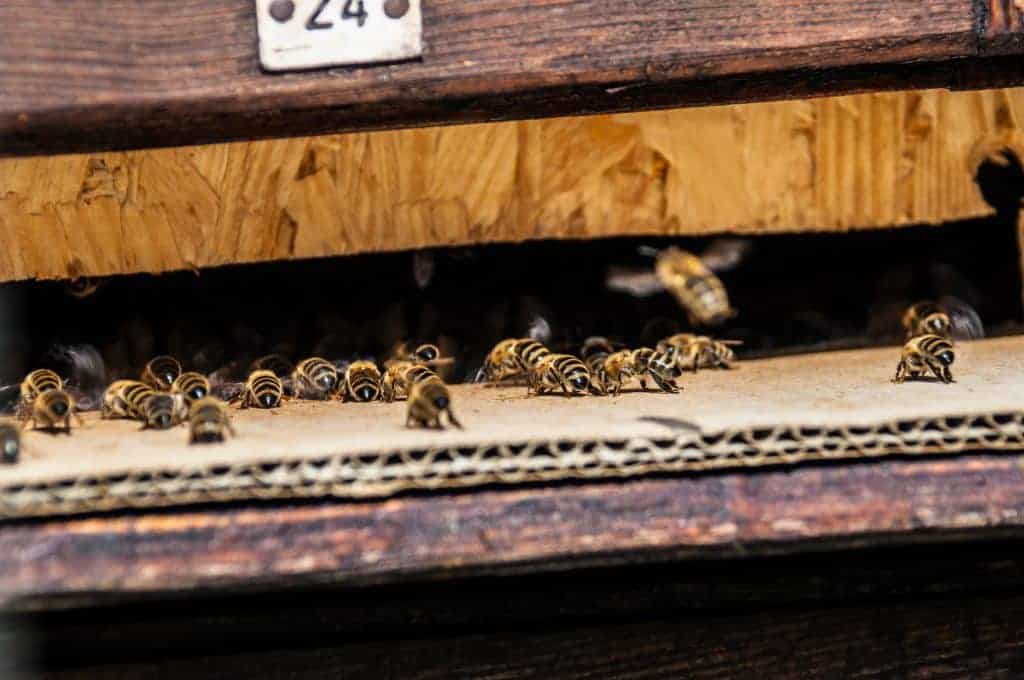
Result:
x=396 y=9
x=282 y=10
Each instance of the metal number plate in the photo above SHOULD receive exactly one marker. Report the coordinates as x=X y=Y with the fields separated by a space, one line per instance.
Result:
x=302 y=34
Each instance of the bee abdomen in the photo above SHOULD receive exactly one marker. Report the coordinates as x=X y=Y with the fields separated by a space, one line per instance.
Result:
x=37 y=382
x=265 y=389
x=314 y=378
x=275 y=363
x=161 y=372
x=193 y=386
x=530 y=352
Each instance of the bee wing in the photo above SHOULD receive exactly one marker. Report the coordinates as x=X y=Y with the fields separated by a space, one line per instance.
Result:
x=725 y=254
x=731 y=342
x=964 y=322
x=635 y=281
x=540 y=330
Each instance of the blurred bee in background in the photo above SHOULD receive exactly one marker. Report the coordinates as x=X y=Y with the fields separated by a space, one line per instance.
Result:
x=161 y=372
x=191 y=386
x=559 y=371
x=126 y=399
x=53 y=408
x=692 y=280
x=926 y=353
x=362 y=382
x=263 y=389
x=10 y=442
x=314 y=378
x=35 y=383
x=692 y=352
x=164 y=410
x=209 y=422
x=401 y=376
x=426 y=355
x=427 y=401
x=640 y=363
x=275 y=363
x=949 y=317
x=83 y=286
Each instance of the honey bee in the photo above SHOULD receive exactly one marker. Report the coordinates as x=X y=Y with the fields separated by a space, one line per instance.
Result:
x=315 y=378
x=594 y=352
x=362 y=381
x=698 y=351
x=263 y=389
x=401 y=376
x=161 y=372
x=192 y=386
x=501 y=363
x=83 y=286
x=10 y=443
x=209 y=422
x=640 y=363
x=554 y=371
x=126 y=399
x=164 y=410
x=926 y=353
x=428 y=399
x=949 y=317
x=275 y=363
x=34 y=384
x=53 y=408
x=697 y=289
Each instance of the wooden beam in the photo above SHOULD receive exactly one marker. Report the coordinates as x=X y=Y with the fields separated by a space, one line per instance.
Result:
x=81 y=74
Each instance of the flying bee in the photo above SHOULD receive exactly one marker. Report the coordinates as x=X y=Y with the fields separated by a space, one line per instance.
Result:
x=692 y=352
x=161 y=372
x=314 y=378
x=950 y=317
x=10 y=442
x=362 y=381
x=164 y=410
x=594 y=352
x=401 y=376
x=53 y=408
x=263 y=389
x=428 y=399
x=209 y=422
x=926 y=353
x=275 y=363
x=34 y=384
x=192 y=386
x=126 y=399
x=554 y=371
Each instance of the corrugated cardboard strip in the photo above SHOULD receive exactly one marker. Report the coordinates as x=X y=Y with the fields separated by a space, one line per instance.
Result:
x=838 y=405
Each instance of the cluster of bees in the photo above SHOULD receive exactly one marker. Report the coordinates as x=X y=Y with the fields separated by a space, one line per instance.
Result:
x=601 y=367
x=929 y=329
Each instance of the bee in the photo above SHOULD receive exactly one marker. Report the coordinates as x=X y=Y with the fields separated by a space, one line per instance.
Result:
x=926 y=353
x=263 y=389
x=501 y=363
x=641 y=363
x=428 y=399
x=594 y=352
x=192 y=386
x=554 y=371
x=362 y=381
x=697 y=289
x=34 y=384
x=10 y=443
x=401 y=376
x=164 y=410
x=949 y=317
x=53 y=408
x=126 y=399
x=698 y=351
x=209 y=422
x=83 y=286
x=275 y=363
x=161 y=372
x=315 y=378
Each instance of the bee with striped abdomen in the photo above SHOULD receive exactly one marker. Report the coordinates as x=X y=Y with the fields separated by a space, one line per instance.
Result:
x=275 y=363
x=427 y=401
x=950 y=317
x=640 y=363
x=594 y=352
x=53 y=408
x=126 y=399
x=209 y=422
x=695 y=286
x=164 y=410
x=34 y=384
x=559 y=371
x=926 y=353
x=315 y=378
x=263 y=389
x=501 y=363
x=692 y=352
x=362 y=382
x=192 y=386
x=401 y=376
x=161 y=372
x=10 y=442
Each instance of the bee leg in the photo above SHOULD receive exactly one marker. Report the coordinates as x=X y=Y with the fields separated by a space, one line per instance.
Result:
x=664 y=385
x=901 y=369
x=948 y=374
x=453 y=421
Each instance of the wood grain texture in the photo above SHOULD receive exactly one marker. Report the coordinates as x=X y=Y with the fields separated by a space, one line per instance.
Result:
x=875 y=160
x=534 y=529
x=80 y=74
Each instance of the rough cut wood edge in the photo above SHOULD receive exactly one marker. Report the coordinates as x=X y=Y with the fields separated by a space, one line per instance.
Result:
x=864 y=161
x=525 y=530
x=75 y=79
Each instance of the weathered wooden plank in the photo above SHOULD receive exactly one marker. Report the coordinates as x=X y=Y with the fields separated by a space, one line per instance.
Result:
x=84 y=74
x=523 y=530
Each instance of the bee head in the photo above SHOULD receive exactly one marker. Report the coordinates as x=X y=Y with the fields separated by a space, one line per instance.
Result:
x=197 y=393
x=267 y=400
x=365 y=394
x=441 y=402
x=426 y=353
x=60 y=408
x=946 y=357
